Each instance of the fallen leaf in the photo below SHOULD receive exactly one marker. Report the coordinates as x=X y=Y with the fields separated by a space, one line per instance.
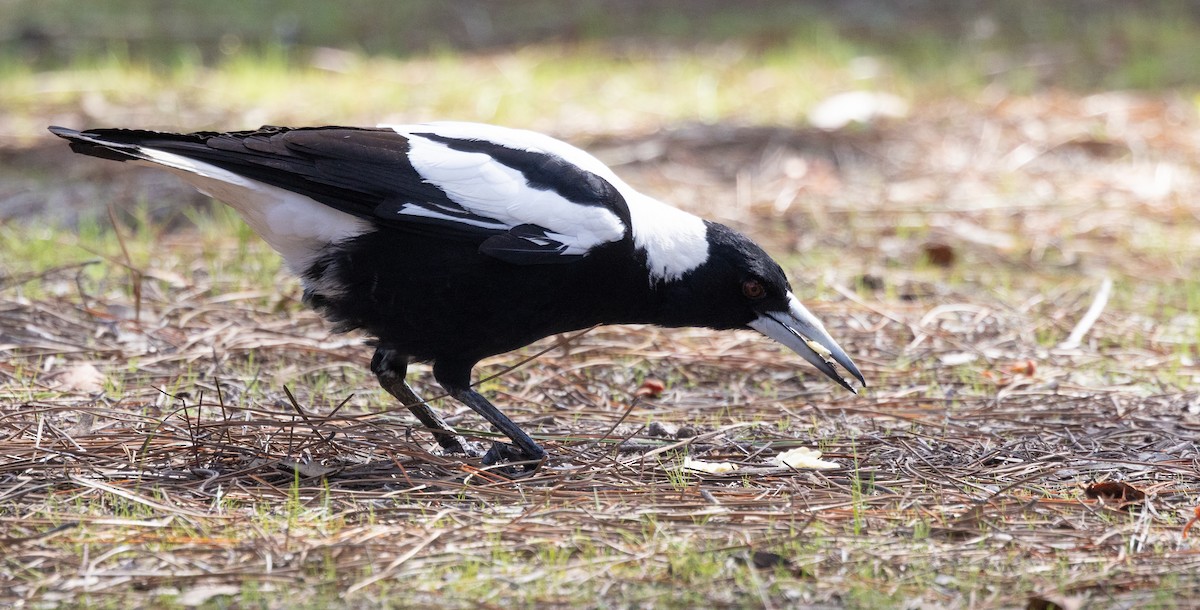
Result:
x=1191 y=522
x=650 y=388
x=197 y=596
x=709 y=467
x=803 y=457
x=306 y=469
x=1052 y=601
x=82 y=378
x=957 y=358
x=1027 y=368
x=939 y=254
x=1114 y=491
x=838 y=111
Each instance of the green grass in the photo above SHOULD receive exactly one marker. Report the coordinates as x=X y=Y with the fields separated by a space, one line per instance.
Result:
x=94 y=259
x=554 y=88
x=764 y=67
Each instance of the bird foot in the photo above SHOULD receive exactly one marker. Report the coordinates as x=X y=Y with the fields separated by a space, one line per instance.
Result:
x=504 y=452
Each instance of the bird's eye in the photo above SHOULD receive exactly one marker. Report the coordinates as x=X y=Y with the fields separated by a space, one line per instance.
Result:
x=753 y=289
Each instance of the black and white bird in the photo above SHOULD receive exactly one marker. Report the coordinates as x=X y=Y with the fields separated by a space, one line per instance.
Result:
x=450 y=242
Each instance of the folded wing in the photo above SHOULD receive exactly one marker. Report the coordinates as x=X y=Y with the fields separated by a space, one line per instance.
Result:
x=526 y=198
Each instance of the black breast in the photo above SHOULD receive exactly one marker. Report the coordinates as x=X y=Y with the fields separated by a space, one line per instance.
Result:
x=441 y=299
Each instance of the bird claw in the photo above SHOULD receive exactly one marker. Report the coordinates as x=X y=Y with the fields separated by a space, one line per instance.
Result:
x=504 y=452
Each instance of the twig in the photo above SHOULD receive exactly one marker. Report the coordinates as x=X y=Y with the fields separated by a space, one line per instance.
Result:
x=633 y=403
x=1093 y=313
x=304 y=416
x=132 y=497
x=397 y=562
x=134 y=273
x=690 y=441
x=851 y=296
x=16 y=280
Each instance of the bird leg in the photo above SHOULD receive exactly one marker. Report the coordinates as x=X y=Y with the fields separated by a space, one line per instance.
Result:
x=525 y=448
x=390 y=367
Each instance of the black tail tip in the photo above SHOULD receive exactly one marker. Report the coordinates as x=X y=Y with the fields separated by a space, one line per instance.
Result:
x=95 y=145
x=63 y=132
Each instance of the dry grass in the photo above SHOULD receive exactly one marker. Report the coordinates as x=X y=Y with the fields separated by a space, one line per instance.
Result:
x=952 y=254
x=964 y=494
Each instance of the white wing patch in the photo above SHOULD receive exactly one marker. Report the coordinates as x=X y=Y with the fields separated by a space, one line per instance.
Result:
x=412 y=209
x=294 y=225
x=675 y=242
x=516 y=139
x=488 y=188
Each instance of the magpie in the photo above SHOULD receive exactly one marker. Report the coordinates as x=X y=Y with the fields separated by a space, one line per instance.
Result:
x=450 y=242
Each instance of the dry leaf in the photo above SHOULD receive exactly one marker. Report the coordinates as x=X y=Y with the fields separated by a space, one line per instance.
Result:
x=708 y=467
x=1054 y=602
x=307 y=469
x=838 y=111
x=957 y=358
x=650 y=388
x=1191 y=522
x=803 y=457
x=1027 y=368
x=198 y=596
x=939 y=254
x=1114 y=491
x=82 y=378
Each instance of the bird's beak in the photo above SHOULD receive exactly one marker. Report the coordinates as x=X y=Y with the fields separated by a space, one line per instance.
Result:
x=804 y=334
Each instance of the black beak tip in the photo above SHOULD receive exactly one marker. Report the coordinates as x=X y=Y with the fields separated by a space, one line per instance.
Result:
x=860 y=378
x=850 y=367
x=832 y=373
x=845 y=384
x=853 y=370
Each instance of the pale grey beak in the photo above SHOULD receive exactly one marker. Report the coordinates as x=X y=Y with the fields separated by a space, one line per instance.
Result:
x=804 y=334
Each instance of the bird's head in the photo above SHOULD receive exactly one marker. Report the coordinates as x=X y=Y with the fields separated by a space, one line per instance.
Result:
x=740 y=286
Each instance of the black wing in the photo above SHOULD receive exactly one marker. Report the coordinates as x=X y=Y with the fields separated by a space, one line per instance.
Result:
x=528 y=206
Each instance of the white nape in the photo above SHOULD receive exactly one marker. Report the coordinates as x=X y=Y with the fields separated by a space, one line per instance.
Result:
x=675 y=242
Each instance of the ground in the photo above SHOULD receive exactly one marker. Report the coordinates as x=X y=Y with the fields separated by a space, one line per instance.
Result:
x=1012 y=269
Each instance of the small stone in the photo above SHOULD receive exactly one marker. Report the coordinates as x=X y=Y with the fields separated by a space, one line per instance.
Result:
x=659 y=429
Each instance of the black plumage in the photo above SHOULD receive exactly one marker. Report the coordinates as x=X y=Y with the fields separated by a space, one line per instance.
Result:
x=453 y=242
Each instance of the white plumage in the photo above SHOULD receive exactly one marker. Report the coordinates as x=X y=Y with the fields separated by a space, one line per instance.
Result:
x=297 y=227
x=674 y=241
x=493 y=190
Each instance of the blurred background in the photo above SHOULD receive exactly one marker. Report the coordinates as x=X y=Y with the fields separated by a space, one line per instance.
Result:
x=922 y=135
x=589 y=66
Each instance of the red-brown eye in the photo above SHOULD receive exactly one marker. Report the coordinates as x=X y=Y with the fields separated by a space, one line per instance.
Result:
x=753 y=289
